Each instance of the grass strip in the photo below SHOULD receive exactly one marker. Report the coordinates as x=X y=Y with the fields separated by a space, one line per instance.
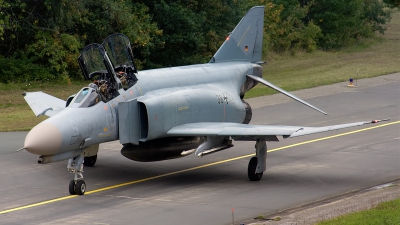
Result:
x=384 y=213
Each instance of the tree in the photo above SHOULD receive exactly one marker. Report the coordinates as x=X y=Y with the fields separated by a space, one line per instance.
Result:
x=345 y=22
x=376 y=14
x=192 y=30
x=52 y=32
x=49 y=33
x=288 y=28
x=393 y=3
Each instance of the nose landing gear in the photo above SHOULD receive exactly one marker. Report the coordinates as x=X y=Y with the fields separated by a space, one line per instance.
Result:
x=77 y=185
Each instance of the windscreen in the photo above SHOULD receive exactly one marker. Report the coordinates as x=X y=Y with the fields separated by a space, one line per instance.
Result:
x=81 y=95
x=87 y=97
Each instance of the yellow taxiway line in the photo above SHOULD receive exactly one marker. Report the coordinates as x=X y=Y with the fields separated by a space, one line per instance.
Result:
x=189 y=169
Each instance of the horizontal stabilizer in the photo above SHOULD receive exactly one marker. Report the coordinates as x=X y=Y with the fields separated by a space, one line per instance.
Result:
x=44 y=104
x=268 y=84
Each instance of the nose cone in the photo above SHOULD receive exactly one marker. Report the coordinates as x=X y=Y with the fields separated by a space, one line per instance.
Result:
x=43 y=139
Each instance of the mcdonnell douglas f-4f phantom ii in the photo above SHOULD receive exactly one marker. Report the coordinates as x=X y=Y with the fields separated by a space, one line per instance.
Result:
x=160 y=114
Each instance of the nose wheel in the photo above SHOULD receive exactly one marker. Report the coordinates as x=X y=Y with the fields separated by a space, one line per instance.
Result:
x=77 y=186
x=71 y=188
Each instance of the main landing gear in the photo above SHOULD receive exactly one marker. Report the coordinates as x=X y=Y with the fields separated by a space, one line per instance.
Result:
x=257 y=165
x=77 y=186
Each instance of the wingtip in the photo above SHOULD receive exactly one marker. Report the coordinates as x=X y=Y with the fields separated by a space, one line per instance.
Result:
x=376 y=121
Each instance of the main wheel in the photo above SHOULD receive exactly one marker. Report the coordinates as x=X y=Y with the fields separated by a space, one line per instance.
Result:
x=90 y=161
x=80 y=187
x=251 y=170
x=72 y=187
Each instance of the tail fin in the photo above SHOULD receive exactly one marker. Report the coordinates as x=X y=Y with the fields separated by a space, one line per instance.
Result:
x=245 y=41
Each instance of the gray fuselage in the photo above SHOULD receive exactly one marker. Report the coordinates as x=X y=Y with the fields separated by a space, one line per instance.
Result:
x=171 y=96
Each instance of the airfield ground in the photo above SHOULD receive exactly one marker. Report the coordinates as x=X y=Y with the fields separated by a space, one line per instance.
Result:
x=339 y=205
x=347 y=203
x=332 y=207
x=328 y=207
x=382 y=56
x=308 y=173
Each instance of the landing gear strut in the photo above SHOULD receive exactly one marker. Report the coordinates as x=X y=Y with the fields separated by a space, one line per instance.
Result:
x=257 y=165
x=77 y=185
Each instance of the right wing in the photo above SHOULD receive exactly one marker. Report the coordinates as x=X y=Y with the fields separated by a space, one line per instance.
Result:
x=44 y=104
x=255 y=131
x=219 y=133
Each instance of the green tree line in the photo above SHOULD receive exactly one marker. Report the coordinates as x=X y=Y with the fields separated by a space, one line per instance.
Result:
x=41 y=39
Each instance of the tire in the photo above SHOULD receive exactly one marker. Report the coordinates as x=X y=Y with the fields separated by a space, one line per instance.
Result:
x=90 y=161
x=72 y=187
x=80 y=187
x=251 y=170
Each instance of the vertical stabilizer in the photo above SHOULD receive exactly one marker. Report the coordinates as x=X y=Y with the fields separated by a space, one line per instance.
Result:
x=245 y=41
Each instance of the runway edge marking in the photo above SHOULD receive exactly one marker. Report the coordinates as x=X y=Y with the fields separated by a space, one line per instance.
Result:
x=189 y=169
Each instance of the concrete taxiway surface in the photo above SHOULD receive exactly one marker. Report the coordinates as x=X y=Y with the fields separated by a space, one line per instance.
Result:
x=184 y=191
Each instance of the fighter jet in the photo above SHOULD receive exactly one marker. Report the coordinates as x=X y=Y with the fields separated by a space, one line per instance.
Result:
x=164 y=113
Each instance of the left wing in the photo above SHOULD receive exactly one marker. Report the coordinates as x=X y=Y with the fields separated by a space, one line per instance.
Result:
x=255 y=131
x=43 y=104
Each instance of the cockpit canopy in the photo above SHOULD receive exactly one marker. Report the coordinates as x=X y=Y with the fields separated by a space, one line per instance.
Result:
x=110 y=65
x=119 y=51
x=93 y=61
